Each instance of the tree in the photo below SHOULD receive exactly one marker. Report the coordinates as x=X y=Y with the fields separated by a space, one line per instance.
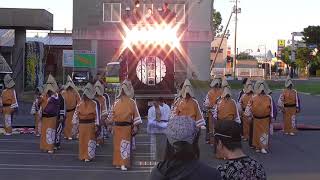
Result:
x=303 y=57
x=312 y=39
x=312 y=36
x=245 y=56
x=285 y=55
x=216 y=21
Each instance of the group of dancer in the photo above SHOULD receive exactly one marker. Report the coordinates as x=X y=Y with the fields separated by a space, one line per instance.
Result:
x=254 y=109
x=61 y=112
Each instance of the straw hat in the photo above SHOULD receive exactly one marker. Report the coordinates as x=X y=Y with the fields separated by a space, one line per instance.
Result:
x=8 y=81
x=89 y=91
x=248 y=87
x=268 y=90
x=216 y=81
x=51 y=85
x=187 y=89
x=288 y=82
x=127 y=88
x=224 y=83
x=70 y=83
x=99 y=89
x=226 y=91
x=40 y=89
x=259 y=87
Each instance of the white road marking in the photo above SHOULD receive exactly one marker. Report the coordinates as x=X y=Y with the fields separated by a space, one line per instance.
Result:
x=77 y=170
x=64 y=154
x=62 y=166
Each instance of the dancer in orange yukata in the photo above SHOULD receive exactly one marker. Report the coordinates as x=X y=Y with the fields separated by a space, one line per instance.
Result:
x=289 y=104
x=260 y=111
x=189 y=106
x=86 y=116
x=35 y=111
x=248 y=93
x=225 y=110
x=103 y=104
x=72 y=98
x=50 y=110
x=210 y=101
x=9 y=103
x=125 y=118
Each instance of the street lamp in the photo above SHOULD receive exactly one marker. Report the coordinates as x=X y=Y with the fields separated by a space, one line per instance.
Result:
x=265 y=58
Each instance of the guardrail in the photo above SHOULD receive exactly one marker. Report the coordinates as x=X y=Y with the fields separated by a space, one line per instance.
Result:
x=240 y=72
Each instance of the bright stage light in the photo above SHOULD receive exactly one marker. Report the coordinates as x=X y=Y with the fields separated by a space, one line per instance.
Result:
x=152 y=35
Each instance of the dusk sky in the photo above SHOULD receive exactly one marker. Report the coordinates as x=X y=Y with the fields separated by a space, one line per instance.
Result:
x=261 y=21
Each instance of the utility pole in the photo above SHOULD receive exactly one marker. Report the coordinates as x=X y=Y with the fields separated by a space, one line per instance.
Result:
x=235 y=40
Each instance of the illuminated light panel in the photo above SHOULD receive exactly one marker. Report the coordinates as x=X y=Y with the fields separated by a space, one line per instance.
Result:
x=152 y=35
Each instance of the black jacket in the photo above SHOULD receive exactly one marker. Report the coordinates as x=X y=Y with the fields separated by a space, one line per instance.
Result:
x=184 y=170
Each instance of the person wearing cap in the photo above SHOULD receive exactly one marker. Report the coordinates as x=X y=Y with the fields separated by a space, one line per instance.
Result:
x=210 y=101
x=289 y=104
x=243 y=101
x=72 y=98
x=181 y=158
x=225 y=110
x=35 y=110
x=260 y=111
x=86 y=116
x=104 y=104
x=125 y=117
x=50 y=110
x=239 y=165
x=9 y=103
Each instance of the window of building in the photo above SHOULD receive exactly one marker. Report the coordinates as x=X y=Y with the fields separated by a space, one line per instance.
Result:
x=180 y=10
x=111 y=12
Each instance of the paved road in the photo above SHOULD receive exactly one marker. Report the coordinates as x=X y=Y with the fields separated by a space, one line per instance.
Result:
x=290 y=158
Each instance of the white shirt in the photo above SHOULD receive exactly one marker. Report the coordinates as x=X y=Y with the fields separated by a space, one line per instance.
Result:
x=166 y=112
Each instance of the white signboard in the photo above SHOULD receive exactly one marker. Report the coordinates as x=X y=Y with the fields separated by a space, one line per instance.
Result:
x=68 y=58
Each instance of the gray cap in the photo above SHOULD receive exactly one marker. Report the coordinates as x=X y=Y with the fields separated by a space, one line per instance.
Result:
x=181 y=128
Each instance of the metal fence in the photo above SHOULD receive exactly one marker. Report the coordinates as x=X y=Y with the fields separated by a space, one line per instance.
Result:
x=240 y=72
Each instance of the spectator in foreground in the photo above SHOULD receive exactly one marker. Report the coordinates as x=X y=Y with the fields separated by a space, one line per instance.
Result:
x=181 y=160
x=239 y=166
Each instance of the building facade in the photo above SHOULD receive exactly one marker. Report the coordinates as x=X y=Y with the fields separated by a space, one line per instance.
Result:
x=98 y=26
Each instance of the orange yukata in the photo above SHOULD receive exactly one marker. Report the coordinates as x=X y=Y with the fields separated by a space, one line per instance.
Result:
x=190 y=108
x=9 y=104
x=244 y=100
x=49 y=111
x=35 y=111
x=103 y=116
x=260 y=110
x=87 y=116
x=124 y=114
x=71 y=98
x=209 y=103
x=289 y=103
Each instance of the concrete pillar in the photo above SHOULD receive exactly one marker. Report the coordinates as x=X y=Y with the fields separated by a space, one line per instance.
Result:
x=94 y=47
x=18 y=61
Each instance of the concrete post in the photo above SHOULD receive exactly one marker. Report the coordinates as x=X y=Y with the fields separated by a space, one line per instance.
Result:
x=19 y=59
x=94 y=47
